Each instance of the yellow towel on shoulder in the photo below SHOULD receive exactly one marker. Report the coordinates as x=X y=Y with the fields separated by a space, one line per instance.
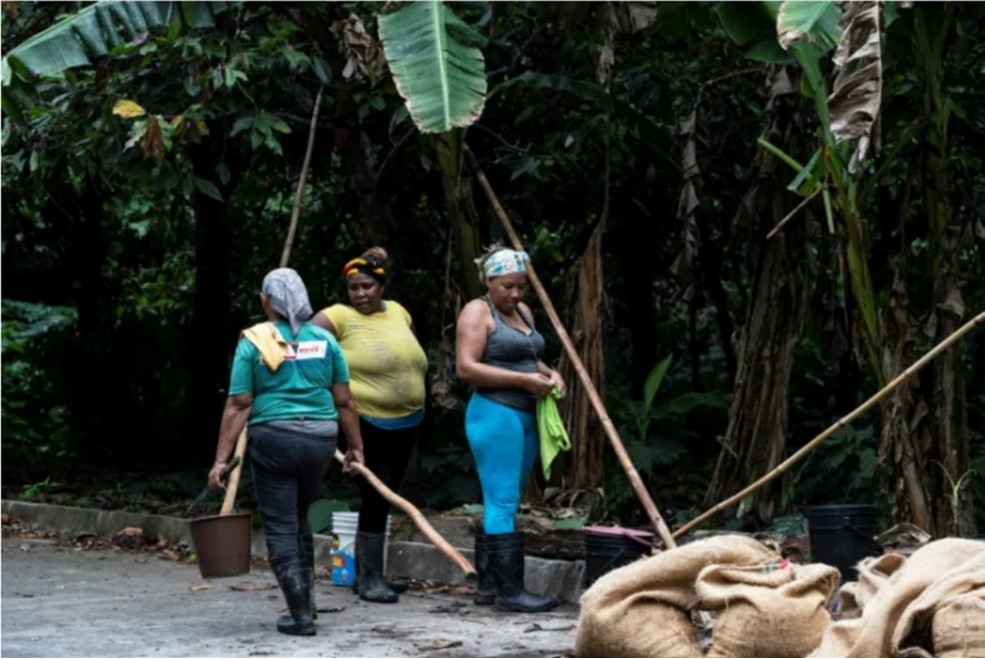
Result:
x=550 y=428
x=267 y=339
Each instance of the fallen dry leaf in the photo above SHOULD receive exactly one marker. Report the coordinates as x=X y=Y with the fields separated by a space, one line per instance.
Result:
x=328 y=609
x=251 y=587
x=201 y=586
x=169 y=555
x=537 y=628
x=436 y=645
x=131 y=531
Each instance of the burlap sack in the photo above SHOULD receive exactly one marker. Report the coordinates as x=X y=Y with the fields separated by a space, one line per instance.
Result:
x=943 y=620
x=767 y=611
x=641 y=610
x=883 y=630
x=958 y=629
x=873 y=573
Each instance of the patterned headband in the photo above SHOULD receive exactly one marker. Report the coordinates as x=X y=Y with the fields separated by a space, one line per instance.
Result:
x=502 y=262
x=371 y=266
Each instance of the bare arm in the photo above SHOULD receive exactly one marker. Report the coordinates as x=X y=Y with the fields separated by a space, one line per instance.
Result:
x=234 y=417
x=470 y=342
x=349 y=421
x=323 y=321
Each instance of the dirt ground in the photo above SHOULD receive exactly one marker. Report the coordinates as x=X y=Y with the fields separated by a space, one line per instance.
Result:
x=59 y=601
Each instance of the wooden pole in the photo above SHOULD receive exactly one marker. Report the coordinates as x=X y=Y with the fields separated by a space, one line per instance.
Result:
x=296 y=211
x=416 y=516
x=586 y=381
x=817 y=441
x=233 y=485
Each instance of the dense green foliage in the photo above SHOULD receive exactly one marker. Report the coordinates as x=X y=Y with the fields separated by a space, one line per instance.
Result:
x=135 y=238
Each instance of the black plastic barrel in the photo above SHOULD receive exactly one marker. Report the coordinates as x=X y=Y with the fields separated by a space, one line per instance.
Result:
x=609 y=547
x=841 y=535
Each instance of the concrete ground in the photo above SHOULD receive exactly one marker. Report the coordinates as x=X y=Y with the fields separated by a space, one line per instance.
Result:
x=59 y=602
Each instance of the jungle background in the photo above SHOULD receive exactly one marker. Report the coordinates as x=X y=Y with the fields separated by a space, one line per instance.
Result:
x=643 y=151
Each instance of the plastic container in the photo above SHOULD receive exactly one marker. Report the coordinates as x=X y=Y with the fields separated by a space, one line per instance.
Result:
x=345 y=526
x=609 y=547
x=344 y=529
x=841 y=535
x=222 y=544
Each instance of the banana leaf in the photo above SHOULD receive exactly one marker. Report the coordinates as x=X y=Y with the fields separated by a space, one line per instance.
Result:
x=815 y=21
x=94 y=31
x=436 y=64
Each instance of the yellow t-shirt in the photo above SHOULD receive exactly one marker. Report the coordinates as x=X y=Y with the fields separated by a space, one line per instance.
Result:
x=386 y=363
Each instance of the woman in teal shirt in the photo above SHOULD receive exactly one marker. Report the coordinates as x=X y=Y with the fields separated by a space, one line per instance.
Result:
x=290 y=381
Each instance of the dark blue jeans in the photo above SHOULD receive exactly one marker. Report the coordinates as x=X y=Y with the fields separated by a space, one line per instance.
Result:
x=288 y=468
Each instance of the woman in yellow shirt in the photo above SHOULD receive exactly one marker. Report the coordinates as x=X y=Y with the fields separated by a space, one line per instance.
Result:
x=386 y=367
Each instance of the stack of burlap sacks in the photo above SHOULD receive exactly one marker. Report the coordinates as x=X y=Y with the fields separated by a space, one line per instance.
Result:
x=930 y=604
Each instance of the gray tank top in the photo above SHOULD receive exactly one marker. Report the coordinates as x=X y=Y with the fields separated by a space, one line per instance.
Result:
x=509 y=348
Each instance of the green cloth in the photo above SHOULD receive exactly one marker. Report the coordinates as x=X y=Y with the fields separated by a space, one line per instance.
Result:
x=550 y=428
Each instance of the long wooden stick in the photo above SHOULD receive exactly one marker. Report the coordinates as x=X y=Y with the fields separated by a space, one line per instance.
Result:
x=416 y=516
x=296 y=211
x=814 y=443
x=586 y=380
x=233 y=485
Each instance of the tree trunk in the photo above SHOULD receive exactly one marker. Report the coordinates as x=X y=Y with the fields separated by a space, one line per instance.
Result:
x=903 y=412
x=587 y=471
x=947 y=431
x=710 y=257
x=460 y=204
x=360 y=160
x=211 y=335
x=755 y=440
x=87 y=253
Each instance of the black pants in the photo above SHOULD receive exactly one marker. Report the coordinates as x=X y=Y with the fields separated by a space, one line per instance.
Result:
x=387 y=453
x=288 y=468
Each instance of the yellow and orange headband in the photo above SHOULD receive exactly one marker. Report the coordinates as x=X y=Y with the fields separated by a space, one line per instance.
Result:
x=359 y=265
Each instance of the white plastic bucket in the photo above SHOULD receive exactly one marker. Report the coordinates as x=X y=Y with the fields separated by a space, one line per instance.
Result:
x=345 y=525
x=344 y=528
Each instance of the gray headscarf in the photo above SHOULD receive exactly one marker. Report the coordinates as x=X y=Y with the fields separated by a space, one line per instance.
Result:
x=288 y=296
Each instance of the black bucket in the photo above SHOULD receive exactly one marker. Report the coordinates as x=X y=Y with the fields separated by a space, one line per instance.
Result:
x=842 y=536
x=609 y=547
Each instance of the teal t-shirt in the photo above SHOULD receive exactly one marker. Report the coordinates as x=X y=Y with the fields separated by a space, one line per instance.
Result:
x=300 y=387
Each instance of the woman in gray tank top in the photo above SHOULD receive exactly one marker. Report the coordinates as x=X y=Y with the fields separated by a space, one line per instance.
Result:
x=500 y=353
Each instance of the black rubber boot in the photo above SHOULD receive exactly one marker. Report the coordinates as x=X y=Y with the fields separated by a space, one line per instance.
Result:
x=485 y=587
x=297 y=592
x=505 y=553
x=308 y=554
x=369 y=569
x=396 y=586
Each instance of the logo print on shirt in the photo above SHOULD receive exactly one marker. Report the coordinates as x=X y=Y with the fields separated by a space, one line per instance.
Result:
x=306 y=350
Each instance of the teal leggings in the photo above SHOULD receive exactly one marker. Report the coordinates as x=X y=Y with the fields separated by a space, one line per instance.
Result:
x=504 y=443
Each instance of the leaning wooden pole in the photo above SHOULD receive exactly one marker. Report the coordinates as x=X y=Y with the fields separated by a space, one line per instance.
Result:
x=296 y=210
x=416 y=516
x=610 y=430
x=817 y=441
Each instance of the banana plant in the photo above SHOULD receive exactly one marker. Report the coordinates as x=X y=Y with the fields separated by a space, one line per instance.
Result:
x=436 y=64
x=104 y=28
x=807 y=31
